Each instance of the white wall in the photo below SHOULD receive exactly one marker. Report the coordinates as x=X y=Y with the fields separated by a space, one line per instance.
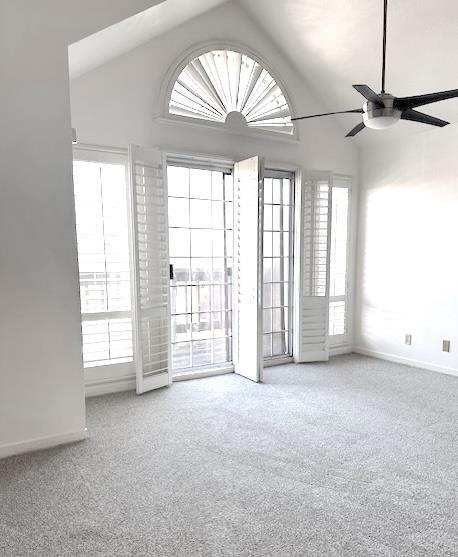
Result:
x=41 y=380
x=407 y=279
x=117 y=103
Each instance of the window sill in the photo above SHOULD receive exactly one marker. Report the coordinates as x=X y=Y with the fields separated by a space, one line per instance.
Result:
x=221 y=128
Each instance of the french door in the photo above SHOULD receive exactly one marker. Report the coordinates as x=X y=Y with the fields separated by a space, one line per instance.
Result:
x=278 y=264
x=215 y=220
x=212 y=267
x=248 y=265
x=200 y=207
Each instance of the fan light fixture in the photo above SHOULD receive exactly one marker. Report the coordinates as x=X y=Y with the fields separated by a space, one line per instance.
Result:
x=381 y=111
x=380 y=118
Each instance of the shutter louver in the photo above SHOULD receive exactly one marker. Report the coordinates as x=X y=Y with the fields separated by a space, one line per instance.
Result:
x=313 y=314
x=220 y=82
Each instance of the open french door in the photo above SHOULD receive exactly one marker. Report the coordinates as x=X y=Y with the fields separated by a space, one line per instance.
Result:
x=149 y=267
x=248 y=268
x=313 y=198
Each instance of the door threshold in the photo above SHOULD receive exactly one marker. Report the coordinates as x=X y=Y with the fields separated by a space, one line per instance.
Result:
x=278 y=361
x=199 y=374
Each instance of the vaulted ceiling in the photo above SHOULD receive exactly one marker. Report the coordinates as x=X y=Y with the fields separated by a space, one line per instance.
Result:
x=332 y=44
x=336 y=43
x=96 y=50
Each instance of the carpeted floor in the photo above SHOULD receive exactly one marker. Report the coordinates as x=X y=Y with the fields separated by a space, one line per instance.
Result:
x=355 y=457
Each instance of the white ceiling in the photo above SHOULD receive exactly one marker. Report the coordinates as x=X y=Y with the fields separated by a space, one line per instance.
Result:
x=332 y=43
x=337 y=43
x=98 y=49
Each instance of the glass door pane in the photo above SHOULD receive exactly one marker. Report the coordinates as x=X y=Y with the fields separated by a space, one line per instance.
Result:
x=278 y=250
x=201 y=246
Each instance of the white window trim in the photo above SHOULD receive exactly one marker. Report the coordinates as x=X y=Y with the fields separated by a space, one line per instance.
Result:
x=221 y=127
x=99 y=153
x=162 y=112
x=99 y=378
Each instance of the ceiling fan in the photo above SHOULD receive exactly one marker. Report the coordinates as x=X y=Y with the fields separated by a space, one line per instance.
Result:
x=382 y=110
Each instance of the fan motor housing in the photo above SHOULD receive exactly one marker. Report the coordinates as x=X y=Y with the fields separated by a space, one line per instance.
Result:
x=380 y=117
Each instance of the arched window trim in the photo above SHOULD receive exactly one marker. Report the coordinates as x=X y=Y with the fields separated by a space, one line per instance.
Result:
x=162 y=111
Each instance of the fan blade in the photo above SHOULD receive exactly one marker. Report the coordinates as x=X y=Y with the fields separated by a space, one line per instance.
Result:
x=356 y=130
x=368 y=94
x=415 y=116
x=404 y=103
x=355 y=111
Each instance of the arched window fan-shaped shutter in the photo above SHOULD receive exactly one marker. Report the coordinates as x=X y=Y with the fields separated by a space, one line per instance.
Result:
x=221 y=82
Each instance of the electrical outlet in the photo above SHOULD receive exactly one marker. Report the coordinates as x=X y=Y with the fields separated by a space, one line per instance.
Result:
x=408 y=340
x=445 y=346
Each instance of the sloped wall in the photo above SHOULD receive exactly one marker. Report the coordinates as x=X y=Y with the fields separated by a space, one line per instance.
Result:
x=41 y=377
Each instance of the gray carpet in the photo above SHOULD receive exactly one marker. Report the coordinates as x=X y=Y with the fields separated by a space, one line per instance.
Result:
x=355 y=457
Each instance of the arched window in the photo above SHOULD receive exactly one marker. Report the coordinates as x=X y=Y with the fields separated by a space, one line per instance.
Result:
x=228 y=86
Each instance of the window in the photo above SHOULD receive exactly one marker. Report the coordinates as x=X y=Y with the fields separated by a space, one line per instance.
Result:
x=201 y=249
x=103 y=257
x=220 y=83
x=278 y=218
x=338 y=302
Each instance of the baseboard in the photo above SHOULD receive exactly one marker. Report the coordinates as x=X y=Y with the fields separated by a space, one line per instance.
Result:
x=99 y=387
x=406 y=361
x=42 y=443
x=339 y=350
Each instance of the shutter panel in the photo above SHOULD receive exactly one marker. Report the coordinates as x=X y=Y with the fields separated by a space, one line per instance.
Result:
x=248 y=264
x=312 y=317
x=150 y=268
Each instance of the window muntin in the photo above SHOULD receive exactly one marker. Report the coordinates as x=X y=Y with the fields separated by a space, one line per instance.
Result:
x=201 y=251
x=278 y=218
x=338 y=258
x=221 y=82
x=103 y=258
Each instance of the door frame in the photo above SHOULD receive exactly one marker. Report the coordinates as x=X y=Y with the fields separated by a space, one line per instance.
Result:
x=276 y=173
x=204 y=162
x=209 y=162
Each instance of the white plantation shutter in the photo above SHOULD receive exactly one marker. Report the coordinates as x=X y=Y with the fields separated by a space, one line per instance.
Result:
x=248 y=268
x=311 y=338
x=150 y=267
x=223 y=81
